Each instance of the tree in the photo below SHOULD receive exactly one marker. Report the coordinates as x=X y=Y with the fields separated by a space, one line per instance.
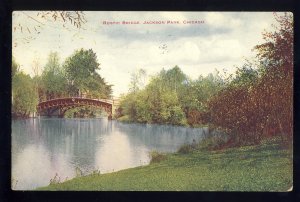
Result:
x=258 y=104
x=156 y=103
x=36 y=67
x=96 y=86
x=173 y=78
x=276 y=56
x=79 y=67
x=24 y=96
x=194 y=96
x=14 y=67
x=142 y=75
x=53 y=78
x=81 y=75
x=134 y=83
x=246 y=75
x=137 y=81
x=277 y=52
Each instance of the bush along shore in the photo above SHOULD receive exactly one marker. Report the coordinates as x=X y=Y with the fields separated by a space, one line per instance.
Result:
x=199 y=167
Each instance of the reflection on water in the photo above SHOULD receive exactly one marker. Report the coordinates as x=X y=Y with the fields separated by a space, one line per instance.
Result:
x=45 y=147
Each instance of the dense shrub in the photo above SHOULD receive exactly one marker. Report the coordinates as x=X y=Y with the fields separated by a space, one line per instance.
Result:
x=156 y=157
x=185 y=149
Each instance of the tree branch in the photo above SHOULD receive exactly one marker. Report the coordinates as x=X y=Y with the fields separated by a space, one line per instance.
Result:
x=32 y=18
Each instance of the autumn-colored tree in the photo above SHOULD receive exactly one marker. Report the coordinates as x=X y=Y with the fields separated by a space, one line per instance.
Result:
x=276 y=85
x=259 y=104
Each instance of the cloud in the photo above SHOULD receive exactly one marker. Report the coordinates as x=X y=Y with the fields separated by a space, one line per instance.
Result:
x=222 y=20
x=168 y=33
x=154 y=31
x=222 y=41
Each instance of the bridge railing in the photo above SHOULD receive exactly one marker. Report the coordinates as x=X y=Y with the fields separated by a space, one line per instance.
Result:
x=112 y=100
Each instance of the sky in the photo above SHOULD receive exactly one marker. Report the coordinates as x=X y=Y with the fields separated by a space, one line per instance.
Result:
x=218 y=41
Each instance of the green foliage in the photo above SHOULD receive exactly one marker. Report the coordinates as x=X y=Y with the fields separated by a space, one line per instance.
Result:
x=77 y=77
x=81 y=75
x=164 y=107
x=157 y=102
x=125 y=119
x=170 y=98
x=24 y=95
x=127 y=104
x=173 y=79
x=84 y=112
x=96 y=87
x=246 y=75
x=14 y=67
x=80 y=66
x=53 y=81
x=195 y=96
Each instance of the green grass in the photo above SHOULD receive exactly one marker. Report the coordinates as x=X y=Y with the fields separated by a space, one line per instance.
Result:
x=265 y=167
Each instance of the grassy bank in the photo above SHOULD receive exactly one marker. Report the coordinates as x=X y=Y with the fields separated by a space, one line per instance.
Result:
x=265 y=167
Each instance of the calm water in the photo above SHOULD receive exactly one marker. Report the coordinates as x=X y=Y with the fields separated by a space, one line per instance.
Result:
x=45 y=147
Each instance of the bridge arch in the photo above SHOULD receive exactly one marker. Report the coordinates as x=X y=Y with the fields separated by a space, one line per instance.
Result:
x=64 y=104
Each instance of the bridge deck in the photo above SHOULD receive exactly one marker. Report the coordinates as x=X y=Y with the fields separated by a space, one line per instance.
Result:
x=78 y=98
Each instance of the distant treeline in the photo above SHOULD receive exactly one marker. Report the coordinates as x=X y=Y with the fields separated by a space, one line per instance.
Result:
x=76 y=76
x=254 y=104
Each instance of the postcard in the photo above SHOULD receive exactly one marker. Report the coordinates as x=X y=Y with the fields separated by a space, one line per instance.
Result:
x=152 y=101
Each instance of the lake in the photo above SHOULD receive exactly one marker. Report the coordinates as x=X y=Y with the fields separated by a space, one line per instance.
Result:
x=43 y=148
